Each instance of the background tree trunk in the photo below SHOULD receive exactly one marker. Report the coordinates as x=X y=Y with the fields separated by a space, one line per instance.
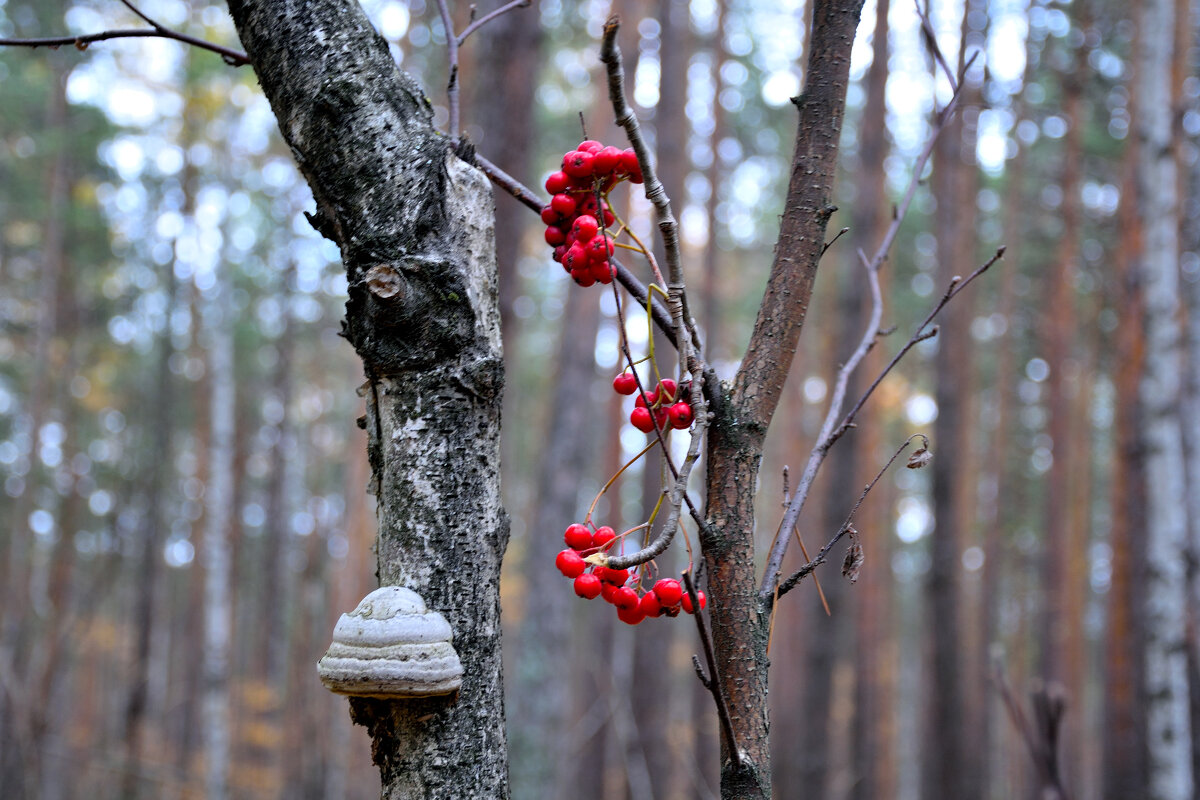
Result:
x=1168 y=729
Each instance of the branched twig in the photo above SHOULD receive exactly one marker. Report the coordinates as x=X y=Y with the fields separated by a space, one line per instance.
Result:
x=923 y=332
x=829 y=434
x=825 y=440
x=610 y=55
x=823 y=555
x=712 y=683
x=686 y=337
x=231 y=57
x=486 y=18
x=935 y=51
x=453 y=42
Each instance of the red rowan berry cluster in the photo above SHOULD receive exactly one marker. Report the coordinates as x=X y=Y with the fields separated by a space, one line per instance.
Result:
x=619 y=587
x=578 y=217
x=665 y=405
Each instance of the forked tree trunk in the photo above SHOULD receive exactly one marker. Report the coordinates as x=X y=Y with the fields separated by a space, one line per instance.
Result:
x=743 y=409
x=415 y=228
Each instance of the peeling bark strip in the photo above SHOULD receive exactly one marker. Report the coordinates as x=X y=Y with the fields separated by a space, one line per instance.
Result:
x=415 y=228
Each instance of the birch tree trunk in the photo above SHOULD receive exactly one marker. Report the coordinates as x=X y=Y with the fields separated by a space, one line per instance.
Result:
x=415 y=228
x=1168 y=730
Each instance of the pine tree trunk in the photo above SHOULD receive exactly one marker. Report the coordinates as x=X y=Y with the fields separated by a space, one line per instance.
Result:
x=414 y=224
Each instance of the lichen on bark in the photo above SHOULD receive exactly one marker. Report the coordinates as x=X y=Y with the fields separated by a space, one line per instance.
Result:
x=415 y=227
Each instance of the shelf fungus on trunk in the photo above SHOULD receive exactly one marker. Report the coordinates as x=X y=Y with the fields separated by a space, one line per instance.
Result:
x=391 y=646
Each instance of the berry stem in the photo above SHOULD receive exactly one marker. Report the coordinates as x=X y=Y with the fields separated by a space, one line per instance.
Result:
x=588 y=519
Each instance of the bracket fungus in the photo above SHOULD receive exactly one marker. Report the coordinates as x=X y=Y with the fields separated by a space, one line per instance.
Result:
x=391 y=646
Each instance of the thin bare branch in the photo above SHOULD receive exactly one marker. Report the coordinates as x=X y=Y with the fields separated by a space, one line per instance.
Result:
x=830 y=243
x=934 y=49
x=713 y=684
x=452 y=60
x=526 y=196
x=823 y=555
x=901 y=210
x=610 y=55
x=923 y=332
x=140 y=13
x=825 y=438
x=476 y=24
x=687 y=346
x=233 y=58
x=830 y=435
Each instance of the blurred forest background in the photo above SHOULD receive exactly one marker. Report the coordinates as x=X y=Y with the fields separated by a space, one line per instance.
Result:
x=184 y=513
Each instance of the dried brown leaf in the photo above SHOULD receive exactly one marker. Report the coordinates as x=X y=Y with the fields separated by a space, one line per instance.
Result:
x=919 y=458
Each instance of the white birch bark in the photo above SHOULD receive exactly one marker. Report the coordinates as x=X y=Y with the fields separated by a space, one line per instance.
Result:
x=415 y=226
x=1168 y=737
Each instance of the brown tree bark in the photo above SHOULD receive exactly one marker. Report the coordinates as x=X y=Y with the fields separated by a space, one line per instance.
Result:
x=1124 y=729
x=743 y=410
x=947 y=767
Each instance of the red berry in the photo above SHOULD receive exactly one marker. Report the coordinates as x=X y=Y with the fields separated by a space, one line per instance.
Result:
x=588 y=586
x=603 y=536
x=630 y=616
x=576 y=258
x=668 y=591
x=583 y=277
x=564 y=204
x=686 y=600
x=590 y=146
x=662 y=416
x=625 y=597
x=616 y=577
x=585 y=228
x=578 y=164
x=559 y=252
x=557 y=182
x=646 y=399
x=640 y=418
x=555 y=236
x=600 y=247
x=578 y=537
x=625 y=383
x=606 y=160
x=666 y=390
x=629 y=165
x=609 y=219
x=602 y=271
x=650 y=605
x=608 y=591
x=680 y=415
x=550 y=216
x=570 y=563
